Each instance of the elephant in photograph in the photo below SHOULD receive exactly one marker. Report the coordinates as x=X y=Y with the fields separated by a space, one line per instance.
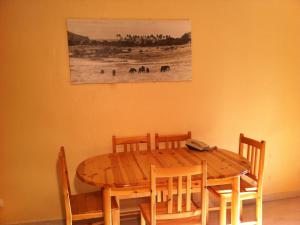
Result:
x=132 y=70
x=165 y=68
x=142 y=69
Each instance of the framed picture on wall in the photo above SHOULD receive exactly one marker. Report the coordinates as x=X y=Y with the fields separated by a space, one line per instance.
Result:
x=122 y=51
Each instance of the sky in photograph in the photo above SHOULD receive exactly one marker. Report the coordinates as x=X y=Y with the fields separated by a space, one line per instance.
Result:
x=107 y=29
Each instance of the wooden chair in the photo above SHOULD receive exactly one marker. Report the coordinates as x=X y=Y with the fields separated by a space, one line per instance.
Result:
x=132 y=142
x=171 y=141
x=179 y=209
x=82 y=206
x=251 y=183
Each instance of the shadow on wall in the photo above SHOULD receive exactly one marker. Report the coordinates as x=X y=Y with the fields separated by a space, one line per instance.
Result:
x=81 y=187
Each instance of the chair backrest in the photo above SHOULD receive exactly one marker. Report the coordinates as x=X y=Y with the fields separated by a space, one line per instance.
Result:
x=65 y=182
x=254 y=152
x=182 y=176
x=131 y=143
x=171 y=141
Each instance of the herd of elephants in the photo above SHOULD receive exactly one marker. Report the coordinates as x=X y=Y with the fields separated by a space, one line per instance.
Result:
x=142 y=69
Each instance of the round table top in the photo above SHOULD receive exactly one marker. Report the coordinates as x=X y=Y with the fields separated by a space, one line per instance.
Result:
x=132 y=169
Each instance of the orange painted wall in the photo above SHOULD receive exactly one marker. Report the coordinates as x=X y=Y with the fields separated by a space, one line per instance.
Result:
x=246 y=78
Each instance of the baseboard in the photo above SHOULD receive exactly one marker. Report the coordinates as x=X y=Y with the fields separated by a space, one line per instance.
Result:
x=128 y=214
x=40 y=222
x=281 y=195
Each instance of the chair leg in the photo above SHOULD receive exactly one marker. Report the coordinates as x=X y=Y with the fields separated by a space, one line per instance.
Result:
x=143 y=222
x=207 y=208
x=207 y=215
x=259 y=209
x=107 y=206
x=68 y=221
x=241 y=210
x=116 y=217
x=223 y=209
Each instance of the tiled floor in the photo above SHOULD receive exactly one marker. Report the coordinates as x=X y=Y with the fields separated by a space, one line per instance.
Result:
x=280 y=212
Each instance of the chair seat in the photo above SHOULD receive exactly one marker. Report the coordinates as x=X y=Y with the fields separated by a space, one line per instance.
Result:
x=89 y=205
x=245 y=186
x=162 y=209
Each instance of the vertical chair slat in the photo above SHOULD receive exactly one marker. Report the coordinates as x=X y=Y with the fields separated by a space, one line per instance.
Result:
x=114 y=143
x=179 y=194
x=188 y=192
x=178 y=144
x=252 y=159
x=173 y=144
x=255 y=162
x=148 y=142
x=156 y=141
x=241 y=145
x=204 y=193
x=248 y=152
x=153 y=196
x=164 y=196
x=158 y=196
x=170 y=195
x=261 y=165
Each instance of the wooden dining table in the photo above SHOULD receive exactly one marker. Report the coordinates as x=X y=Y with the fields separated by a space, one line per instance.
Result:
x=128 y=173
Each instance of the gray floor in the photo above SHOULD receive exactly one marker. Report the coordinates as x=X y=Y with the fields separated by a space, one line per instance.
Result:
x=280 y=212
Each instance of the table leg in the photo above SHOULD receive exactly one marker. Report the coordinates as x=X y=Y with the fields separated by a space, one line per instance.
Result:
x=235 y=207
x=107 y=206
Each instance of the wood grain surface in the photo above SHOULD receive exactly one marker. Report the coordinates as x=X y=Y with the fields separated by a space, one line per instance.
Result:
x=132 y=169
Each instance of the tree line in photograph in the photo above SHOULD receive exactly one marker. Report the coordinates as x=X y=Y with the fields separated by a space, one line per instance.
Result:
x=131 y=40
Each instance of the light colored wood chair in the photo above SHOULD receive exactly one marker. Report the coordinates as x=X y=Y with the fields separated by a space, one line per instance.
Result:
x=251 y=183
x=171 y=141
x=131 y=143
x=179 y=208
x=82 y=206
